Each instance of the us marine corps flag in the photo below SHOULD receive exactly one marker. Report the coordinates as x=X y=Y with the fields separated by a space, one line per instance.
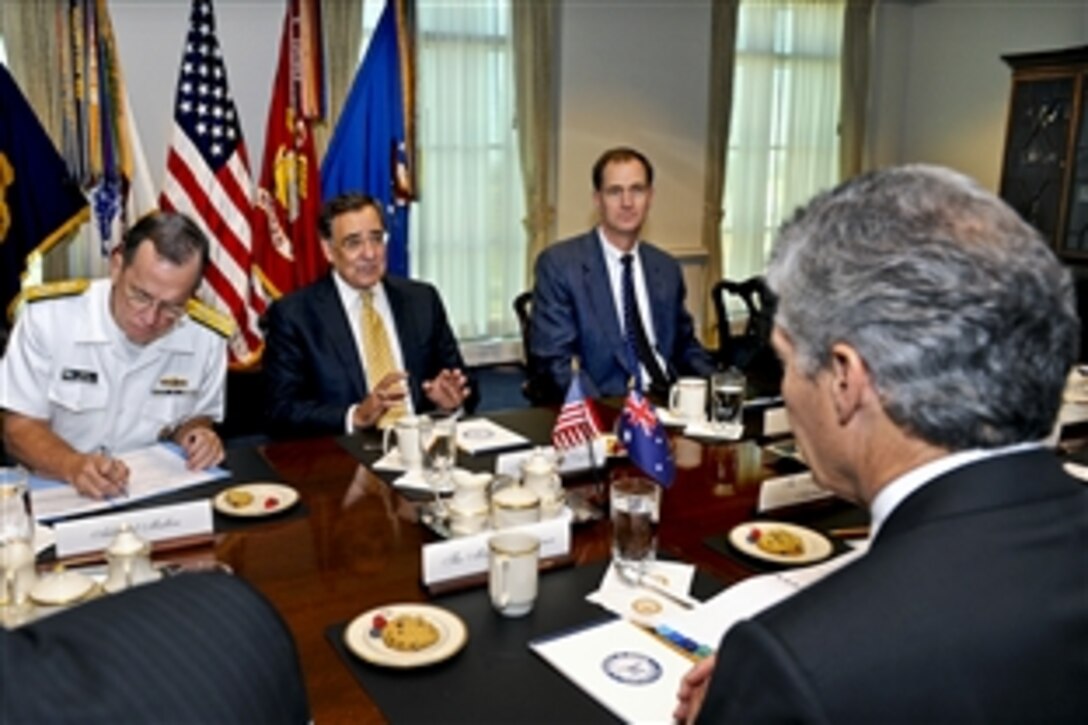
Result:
x=40 y=204
x=286 y=246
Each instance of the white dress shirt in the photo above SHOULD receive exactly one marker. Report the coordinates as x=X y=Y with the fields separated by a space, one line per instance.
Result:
x=613 y=259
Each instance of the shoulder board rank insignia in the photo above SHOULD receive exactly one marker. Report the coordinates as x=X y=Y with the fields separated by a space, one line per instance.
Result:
x=56 y=290
x=211 y=318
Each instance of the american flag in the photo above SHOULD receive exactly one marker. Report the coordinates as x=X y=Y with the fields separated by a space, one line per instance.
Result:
x=642 y=434
x=577 y=422
x=207 y=178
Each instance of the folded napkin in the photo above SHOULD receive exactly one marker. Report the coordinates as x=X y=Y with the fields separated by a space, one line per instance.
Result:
x=713 y=431
x=641 y=603
x=417 y=481
x=391 y=461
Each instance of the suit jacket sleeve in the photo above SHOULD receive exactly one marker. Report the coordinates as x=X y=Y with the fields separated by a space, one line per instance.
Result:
x=193 y=648
x=689 y=356
x=553 y=333
x=295 y=405
x=756 y=680
x=427 y=340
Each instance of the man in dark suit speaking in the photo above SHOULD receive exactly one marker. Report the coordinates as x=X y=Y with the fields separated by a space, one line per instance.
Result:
x=612 y=300
x=357 y=348
x=926 y=333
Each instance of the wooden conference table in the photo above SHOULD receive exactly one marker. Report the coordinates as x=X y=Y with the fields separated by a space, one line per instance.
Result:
x=354 y=543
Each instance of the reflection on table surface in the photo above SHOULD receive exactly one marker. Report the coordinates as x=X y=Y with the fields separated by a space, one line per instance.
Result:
x=359 y=545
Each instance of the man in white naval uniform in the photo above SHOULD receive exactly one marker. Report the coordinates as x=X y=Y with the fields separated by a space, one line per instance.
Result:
x=112 y=365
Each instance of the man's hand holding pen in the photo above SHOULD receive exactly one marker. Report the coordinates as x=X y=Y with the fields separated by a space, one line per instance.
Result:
x=98 y=474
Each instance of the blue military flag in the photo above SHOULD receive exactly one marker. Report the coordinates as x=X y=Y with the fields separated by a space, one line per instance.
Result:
x=40 y=203
x=643 y=435
x=369 y=151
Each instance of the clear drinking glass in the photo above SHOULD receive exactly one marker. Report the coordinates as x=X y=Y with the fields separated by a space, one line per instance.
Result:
x=16 y=538
x=635 y=504
x=727 y=397
x=438 y=438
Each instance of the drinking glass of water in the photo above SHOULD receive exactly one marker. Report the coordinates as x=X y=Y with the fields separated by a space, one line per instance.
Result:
x=726 y=398
x=439 y=444
x=16 y=539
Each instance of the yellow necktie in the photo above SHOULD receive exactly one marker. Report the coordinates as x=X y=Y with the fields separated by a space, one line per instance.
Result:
x=379 y=354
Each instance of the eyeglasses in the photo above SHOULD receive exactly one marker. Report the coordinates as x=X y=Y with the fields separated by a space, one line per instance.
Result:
x=142 y=302
x=616 y=192
x=352 y=243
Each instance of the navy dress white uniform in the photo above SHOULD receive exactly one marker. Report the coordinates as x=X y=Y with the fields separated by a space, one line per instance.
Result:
x=68 y=363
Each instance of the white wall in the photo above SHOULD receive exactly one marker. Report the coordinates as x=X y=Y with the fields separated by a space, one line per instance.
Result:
x=635 y=72
x=940 y=88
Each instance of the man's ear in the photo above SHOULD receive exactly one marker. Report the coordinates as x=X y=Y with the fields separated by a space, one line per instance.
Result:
x=116 y=263
x=849 y=381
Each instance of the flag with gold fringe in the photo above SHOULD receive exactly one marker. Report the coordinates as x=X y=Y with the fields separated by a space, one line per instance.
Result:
x=40 y=203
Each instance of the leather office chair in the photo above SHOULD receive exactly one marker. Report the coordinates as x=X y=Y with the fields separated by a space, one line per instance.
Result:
x=749 y=351
x=534 y=388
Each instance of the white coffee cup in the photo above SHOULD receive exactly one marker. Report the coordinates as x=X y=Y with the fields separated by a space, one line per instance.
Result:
x=408 y=431
x=687 y=399
x=514 y=506
x=513 y=572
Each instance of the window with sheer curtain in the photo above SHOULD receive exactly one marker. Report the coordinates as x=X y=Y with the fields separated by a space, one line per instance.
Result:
x=466 y=233
x=784 y=141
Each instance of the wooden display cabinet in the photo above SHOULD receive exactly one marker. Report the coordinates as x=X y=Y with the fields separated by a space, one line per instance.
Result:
x=1045 y=171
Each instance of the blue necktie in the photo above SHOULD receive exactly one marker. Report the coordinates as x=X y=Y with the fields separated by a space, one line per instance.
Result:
x=638 y=343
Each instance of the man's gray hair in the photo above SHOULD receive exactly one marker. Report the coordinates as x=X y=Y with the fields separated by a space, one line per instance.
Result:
x=964 y=317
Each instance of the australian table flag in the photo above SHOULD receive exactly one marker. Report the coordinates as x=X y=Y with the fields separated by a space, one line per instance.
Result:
x=643 y=435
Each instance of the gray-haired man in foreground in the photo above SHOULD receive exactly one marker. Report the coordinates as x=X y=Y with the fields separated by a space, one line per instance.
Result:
x=926 y=333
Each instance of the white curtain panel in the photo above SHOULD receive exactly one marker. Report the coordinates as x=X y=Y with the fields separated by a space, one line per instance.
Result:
x=784 y=143
x=466 y=232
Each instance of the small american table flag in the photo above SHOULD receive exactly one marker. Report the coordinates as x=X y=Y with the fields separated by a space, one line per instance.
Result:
x=577 y=422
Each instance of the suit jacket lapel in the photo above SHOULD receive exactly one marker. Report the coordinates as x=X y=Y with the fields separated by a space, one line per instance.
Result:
x=336 y=323
x=599 y=290
x=660 y=295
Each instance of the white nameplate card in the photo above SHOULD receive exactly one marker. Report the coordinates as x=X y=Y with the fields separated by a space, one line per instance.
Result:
x=153 y=524
x=776 y=421
x=468 y=555
x=572 y=460
x=776 y=493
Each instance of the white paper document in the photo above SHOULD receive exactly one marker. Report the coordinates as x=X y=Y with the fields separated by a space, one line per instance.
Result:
x=153 y=471
x=621 y=666
x=481 y=435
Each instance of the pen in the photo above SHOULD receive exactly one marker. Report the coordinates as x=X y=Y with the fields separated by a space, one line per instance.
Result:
x=686 y=646
x=105 y=453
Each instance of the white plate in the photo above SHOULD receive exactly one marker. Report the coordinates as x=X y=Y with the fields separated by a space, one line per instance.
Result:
x=452 y=635
x=268 y=499
x=816 y=545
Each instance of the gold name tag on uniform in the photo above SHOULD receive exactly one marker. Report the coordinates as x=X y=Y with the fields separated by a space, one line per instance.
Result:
x=70 y=375
x=172 y=386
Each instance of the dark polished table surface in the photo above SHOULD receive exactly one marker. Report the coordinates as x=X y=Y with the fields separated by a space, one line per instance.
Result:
x=357 y=543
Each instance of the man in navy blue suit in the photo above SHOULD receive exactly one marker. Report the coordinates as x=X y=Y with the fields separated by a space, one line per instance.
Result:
x=926 y=332
x=320 y=355
x=615 y=302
